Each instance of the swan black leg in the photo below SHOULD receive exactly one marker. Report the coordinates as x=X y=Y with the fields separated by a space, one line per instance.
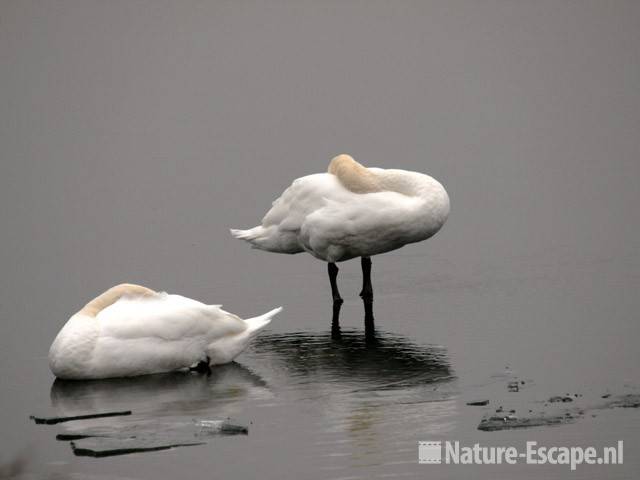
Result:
x=337 y=301
x=333 y=274
x=369 y=326
x=336 y=334
x=367 y=297
x=367 y=289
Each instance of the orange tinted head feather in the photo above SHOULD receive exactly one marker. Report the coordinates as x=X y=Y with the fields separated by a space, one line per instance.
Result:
x=354 y=176
x=112 y=295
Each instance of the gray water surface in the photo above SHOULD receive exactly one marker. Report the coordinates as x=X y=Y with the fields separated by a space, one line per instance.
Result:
x=323 y=404
x=134 y=135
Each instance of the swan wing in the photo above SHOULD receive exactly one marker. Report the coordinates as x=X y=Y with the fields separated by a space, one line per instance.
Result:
x=303 y=197
x=280 y=227
x=363 y=225
x=166 y=317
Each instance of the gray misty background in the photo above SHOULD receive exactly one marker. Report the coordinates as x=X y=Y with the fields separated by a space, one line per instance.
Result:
x=134 y=134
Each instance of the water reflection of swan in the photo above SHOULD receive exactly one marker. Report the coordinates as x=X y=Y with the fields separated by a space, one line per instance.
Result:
x=375 y=359
x=162 y=395
x=375 y=389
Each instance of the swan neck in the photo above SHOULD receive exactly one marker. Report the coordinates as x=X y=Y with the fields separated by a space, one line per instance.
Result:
x=112 y=295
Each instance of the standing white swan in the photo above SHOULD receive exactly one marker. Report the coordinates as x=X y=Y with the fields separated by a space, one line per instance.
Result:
x=132 y=330
x=351 y=211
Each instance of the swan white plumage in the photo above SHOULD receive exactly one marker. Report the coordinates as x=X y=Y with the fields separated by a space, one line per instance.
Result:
x=351 y=211
x=132 y=330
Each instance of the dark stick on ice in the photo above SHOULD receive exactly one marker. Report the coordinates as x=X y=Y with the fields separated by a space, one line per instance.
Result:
x=478 y=403
x=89 y=452
x=54 y=420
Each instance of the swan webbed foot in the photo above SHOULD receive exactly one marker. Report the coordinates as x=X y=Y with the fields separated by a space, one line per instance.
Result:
x=202 y=367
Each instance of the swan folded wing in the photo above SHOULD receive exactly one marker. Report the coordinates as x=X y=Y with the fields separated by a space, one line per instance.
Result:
x=166 y=318
x=368 y=224
x=304 y=196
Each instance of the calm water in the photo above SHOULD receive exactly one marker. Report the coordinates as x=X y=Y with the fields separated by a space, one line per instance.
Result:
x=133 y=135
x=345 y=404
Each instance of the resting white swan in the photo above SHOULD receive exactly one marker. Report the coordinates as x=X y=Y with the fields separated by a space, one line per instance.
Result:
x=351 y=211
x=132 y=330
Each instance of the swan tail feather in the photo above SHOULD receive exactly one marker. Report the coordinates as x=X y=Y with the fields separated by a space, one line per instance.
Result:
x=248 y=235
x=254 y=236
x=271 y=239
x=258 y=323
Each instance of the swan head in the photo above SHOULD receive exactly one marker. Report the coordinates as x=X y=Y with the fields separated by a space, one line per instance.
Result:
x=343 y=160
x=353 y=175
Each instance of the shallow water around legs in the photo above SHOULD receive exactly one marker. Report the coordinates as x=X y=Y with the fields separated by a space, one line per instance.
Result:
x=336 y=400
